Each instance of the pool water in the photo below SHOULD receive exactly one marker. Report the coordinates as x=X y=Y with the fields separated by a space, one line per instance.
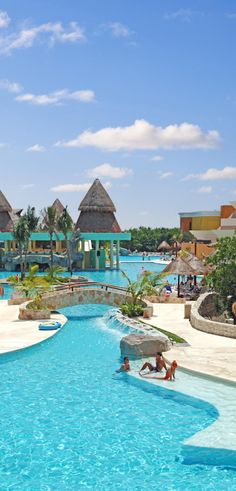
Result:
x=69 y=423
x=132 y=269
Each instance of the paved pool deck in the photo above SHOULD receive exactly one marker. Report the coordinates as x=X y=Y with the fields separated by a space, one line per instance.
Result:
x=16 y=334
x=206 y=354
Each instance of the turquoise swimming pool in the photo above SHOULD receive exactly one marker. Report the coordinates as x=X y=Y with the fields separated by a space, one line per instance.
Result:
x=69 y=423
x=112 y=277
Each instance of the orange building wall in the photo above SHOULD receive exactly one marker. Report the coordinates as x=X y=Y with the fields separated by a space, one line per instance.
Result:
x=226 y=211
x=185 y=224
x=198 y=249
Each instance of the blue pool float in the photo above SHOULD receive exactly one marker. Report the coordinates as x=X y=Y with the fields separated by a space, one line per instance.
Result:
x=49 y=326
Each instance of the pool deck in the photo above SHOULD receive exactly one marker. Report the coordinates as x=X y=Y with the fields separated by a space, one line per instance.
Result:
x=206 y=354
x=16 y=334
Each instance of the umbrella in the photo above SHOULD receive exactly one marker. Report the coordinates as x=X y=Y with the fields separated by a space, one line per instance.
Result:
x=164 y=246
x=180 y=267
x=196 y=264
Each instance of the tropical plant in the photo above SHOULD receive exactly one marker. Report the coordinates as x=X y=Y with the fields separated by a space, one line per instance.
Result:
x=53 y=275
x=50 y=222
x=31 y=218
x=31 y=284
x=65 y=225
x=145 y=285
x=148 y=239
x=222 y=278
x=21 y=234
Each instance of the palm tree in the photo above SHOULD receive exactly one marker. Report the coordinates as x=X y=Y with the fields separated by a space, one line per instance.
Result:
x=65 y=225
x=145 y=285
x=31 y=218
x=50 y=223
x=21 y=234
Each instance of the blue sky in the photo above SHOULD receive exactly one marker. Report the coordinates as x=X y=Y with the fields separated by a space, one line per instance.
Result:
x=138 y=93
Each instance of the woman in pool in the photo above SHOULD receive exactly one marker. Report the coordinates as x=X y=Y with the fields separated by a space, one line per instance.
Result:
x=170 y=374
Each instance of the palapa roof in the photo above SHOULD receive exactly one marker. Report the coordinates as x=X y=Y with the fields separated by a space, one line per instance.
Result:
x=58 y=206
x=4 y=204
x=97 y=199
x=196 y=264
x=8 y=216
x=97 y=211
x=180 y=267
x=164 y=246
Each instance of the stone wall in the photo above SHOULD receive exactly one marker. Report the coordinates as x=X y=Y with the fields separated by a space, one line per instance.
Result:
x=205 y=305
x=59 y=300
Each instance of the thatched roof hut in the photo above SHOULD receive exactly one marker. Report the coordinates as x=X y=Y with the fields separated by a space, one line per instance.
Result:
x=58 y=207
x=97 y=211
x=179 y=266
x=8 y=215
x=164 y=246
x=196 y=264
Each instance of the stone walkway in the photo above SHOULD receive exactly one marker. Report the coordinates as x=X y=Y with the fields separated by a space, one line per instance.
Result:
x=206 y=354
x=16 y=334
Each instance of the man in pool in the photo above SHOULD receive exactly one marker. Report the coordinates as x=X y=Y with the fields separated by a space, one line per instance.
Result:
x=160 y=364
x=170 y=374
x=125 y=367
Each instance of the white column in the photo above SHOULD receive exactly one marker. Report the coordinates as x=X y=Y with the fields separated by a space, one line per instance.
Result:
x=96 y=255
x=82 y=250
x=111 y=254
x=118 y=254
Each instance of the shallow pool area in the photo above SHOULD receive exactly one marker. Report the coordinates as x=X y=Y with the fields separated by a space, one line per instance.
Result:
x=69 y=422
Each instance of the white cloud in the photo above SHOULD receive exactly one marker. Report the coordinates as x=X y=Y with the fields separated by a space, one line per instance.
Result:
x=36 y=148
x=49 y=33
x=142 y=135
x=205 y=190
x=157 y=158
x=231 y=15
x=107 y=170
x=76 y=188
x=118 y=30
x=165 y=175
x=27 y=186
x=57 y=97
x=216 y=174
x=4 y=19
x=10 y=86
x=213 y=174
x=184 y=15
x=3 y=145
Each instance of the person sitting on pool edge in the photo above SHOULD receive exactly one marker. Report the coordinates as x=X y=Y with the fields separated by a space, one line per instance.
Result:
x=170 y=374
x=125 y=367
x=160 y=364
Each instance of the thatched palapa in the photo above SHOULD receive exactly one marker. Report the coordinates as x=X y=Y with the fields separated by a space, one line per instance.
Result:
x=164 y=246
x=97 y=211
x=8 y=216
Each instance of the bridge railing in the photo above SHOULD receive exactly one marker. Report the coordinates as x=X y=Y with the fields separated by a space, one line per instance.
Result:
x=74 y=286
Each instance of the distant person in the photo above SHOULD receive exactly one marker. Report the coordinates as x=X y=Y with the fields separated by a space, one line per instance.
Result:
x=125 y=367
x=143 y=254
x=170 y=374
x=159 y=364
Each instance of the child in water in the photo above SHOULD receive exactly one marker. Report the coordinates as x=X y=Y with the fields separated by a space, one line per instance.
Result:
x=125 y=367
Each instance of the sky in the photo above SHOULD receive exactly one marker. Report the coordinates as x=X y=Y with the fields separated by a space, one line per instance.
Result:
x=139 y=93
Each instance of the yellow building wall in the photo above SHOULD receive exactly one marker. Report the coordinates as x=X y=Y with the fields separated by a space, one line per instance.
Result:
x=205 y=223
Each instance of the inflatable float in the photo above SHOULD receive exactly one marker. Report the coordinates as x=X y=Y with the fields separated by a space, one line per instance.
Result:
x=49 y=325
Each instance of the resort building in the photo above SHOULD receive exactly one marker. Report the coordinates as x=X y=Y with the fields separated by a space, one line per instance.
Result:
x=95 y=240
x=208 y=226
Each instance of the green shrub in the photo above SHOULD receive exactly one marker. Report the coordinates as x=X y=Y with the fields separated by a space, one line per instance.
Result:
x=131 y=310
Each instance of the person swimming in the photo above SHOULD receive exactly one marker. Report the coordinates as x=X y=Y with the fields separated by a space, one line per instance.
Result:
x=125 y=367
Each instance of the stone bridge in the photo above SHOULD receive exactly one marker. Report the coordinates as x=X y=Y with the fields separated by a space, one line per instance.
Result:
x=77 y=296
x=61 y=299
